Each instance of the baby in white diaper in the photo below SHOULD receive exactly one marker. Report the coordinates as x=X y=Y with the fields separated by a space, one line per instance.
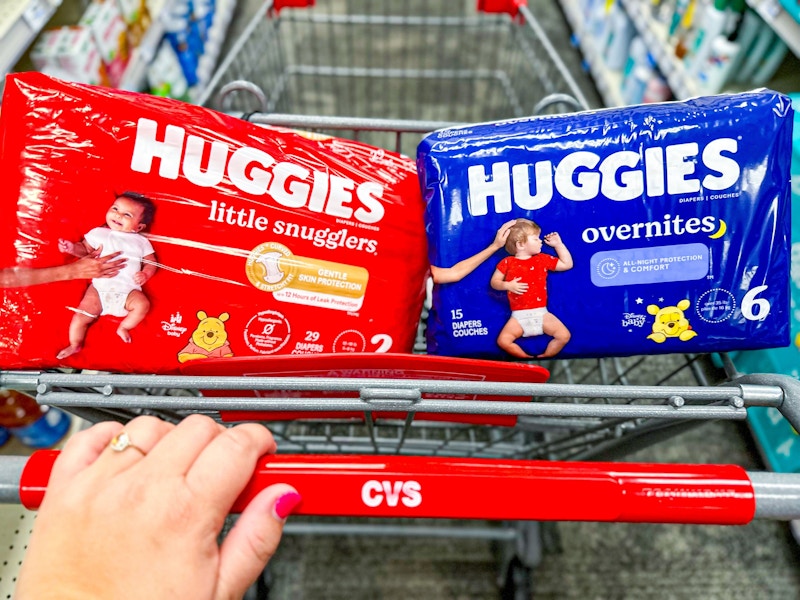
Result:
x=121 y=295
x=524 y=276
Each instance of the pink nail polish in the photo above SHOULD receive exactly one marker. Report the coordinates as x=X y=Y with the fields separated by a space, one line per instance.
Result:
x=285 y=505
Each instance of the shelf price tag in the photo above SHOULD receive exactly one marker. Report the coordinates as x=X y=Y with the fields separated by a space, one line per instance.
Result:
x=769 y=10
x=37 y=13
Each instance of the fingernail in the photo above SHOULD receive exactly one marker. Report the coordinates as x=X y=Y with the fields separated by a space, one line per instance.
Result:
x=285 y=504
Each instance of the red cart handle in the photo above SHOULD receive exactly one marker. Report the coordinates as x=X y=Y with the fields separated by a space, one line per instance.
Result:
x=413 y=486
x=501 y=6
x=277 y=5
x=488 y=6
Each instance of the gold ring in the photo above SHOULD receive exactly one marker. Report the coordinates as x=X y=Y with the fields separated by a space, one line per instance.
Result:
x=122 y=441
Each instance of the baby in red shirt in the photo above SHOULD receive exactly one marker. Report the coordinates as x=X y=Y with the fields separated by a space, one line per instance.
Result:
x=524 y=276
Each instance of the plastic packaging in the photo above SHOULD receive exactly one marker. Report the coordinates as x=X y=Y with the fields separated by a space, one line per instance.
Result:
x=264 y=241
x=777 y=438
x=675 y=216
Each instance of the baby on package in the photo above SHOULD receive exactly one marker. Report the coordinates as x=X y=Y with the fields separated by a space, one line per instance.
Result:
x=524 y=276
x=121 y=295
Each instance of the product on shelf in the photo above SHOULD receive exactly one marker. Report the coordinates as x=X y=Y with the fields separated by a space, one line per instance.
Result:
x=657 y=89
x=110 y=34
x=263 y=241
x=755 y=52
x=71 y=53
x=182 y=32
x=622 y=31
x=770 y=62
x=712 y=77
x=672 y=223
x=44 y=53
x=745 y=50
x=34 y=425
x=165 y=76
x=792 y=7
x=710 y=24
x=635 y=83
x=137 y=19
x=680 y=29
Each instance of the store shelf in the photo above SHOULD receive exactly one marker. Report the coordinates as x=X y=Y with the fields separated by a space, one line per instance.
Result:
x=135 y=76
x=20 y=23
x=16 y=522
x=607 y=82
x=655 y=36
x=781 y=21
x=219 y=29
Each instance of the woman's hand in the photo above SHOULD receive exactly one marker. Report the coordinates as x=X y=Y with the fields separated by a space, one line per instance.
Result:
x=94 y=266
x=143 y=522
x=502 y=234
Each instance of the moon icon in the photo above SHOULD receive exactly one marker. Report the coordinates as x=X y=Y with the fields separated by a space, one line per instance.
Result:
x=720 y=232
x=608 y=268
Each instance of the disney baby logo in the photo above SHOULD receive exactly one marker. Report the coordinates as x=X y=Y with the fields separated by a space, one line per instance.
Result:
x=173 y=326
x=633 y=319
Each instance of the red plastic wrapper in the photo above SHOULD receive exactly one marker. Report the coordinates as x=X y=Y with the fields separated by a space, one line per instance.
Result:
x=239 y=240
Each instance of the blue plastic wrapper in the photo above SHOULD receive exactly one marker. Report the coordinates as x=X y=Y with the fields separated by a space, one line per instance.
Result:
x=675 y=218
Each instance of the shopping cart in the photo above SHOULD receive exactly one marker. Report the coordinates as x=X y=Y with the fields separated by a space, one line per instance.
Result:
x=387 y=72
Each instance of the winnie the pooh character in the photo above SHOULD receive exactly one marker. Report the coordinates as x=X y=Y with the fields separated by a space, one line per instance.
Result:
x=670 y=322
x=209 y=340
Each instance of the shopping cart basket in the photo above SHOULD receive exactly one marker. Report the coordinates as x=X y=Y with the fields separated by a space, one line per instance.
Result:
x=387 y=66
x=387 y=72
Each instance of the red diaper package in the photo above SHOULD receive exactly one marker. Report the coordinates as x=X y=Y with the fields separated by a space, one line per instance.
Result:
x=238 y=240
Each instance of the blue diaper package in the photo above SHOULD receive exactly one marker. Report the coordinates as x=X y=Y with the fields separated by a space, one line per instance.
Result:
x=648 y=229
